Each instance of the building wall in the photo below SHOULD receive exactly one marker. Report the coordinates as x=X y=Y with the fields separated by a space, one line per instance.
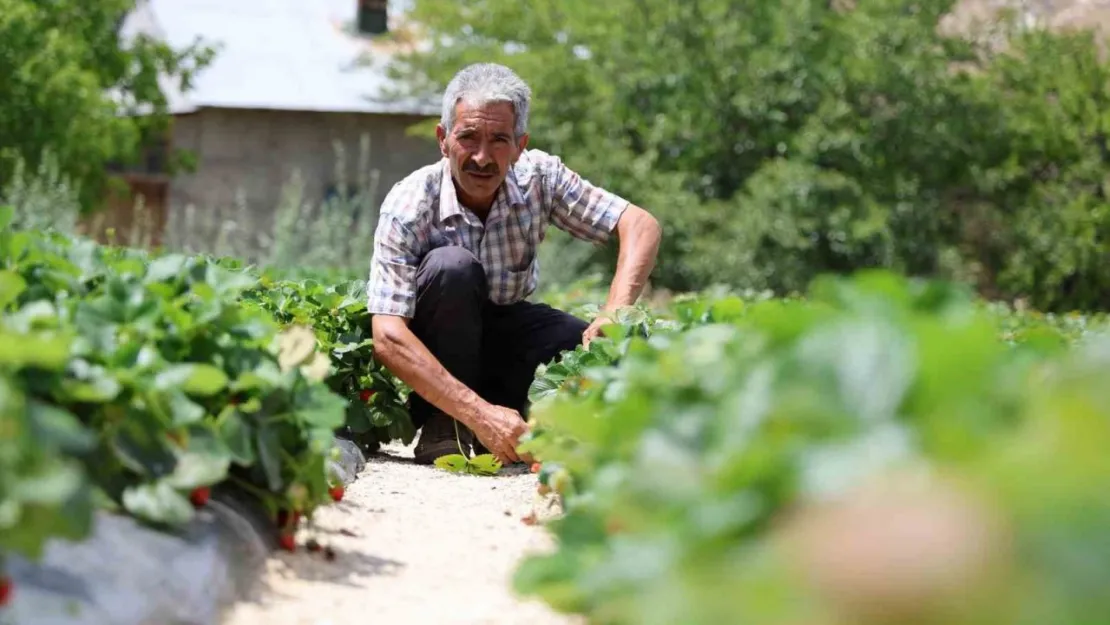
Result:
x=250 y=155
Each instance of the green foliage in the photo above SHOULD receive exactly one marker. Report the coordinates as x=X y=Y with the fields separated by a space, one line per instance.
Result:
x=832 y=459
x=43 y=487
x=140 y=379
x=777 y=141
x=482 y=464
x=376 y=409
x=74 y=90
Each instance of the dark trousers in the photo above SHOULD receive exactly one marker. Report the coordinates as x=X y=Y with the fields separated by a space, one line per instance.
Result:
x=492 y=349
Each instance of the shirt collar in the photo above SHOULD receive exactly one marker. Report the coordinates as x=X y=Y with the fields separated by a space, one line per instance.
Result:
x=508 y=194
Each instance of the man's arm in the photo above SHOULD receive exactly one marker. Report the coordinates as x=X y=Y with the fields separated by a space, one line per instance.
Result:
x=396 y=347
x=406 y=356
x=638 y=237
x=593 y=214
x=392 y=303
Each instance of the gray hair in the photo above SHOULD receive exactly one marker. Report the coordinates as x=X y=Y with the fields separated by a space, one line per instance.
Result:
x=483 y=83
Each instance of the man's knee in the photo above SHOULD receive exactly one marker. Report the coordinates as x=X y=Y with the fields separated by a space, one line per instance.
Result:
x=451 y=273
x=562 y=336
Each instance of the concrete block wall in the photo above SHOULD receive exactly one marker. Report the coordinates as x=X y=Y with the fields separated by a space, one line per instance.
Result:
x=248 y=156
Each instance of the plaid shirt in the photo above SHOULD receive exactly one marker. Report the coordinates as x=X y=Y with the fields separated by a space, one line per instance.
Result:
x=422 y=212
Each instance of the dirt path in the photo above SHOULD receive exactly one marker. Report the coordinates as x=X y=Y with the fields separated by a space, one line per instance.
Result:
x=413 y=545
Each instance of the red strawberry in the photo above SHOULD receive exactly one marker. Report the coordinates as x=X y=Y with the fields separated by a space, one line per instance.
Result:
x=287 y=542
x=535 y=467
x=337 y=493
x=200 y=496
x=365 y=394
x=5 y=590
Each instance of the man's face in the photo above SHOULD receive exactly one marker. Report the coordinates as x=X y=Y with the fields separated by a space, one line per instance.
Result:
x=480 y=149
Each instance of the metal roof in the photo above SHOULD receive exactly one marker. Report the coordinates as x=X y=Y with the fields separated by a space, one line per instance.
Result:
x=277 y=54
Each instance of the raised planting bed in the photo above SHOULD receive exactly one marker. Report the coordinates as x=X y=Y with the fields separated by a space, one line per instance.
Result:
x=125 y=573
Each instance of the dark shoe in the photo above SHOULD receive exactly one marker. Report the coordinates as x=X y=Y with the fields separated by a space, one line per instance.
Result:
x=439 y=438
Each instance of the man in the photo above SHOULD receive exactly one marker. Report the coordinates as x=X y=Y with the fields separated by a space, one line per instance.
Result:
x=455 y=259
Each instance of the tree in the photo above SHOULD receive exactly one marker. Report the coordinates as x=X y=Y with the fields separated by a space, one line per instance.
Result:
x=75 y=92
x=781 y=140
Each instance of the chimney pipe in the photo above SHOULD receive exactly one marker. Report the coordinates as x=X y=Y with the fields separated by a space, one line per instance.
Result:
x=372 y=17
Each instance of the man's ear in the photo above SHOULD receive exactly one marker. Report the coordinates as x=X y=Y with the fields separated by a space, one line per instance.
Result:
x=521 y=145
x=441 y=136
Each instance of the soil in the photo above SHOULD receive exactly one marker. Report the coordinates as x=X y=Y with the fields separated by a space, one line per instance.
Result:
x=412 y=544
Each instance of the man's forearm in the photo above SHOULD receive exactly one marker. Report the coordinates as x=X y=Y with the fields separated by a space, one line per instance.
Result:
x=396 y=347
x=639 y=235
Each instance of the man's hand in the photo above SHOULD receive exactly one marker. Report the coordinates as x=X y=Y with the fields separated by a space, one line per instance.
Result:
x=638 y=234
x=500 y=429
x=594 y=329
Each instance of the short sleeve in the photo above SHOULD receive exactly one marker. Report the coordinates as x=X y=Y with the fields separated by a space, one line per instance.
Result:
x=391 y=289
x=582 y=209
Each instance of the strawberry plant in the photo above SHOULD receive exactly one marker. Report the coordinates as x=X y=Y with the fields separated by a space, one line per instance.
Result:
x=43 y=487
x=725 y=470
x=143 y=381
x=376 y=400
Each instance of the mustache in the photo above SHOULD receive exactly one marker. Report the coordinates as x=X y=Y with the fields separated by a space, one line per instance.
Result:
x=472 y=167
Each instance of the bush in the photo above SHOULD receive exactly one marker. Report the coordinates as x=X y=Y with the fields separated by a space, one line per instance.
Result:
x=134 y=381
x=837 y=458
x=377 y=400
x=780 y=141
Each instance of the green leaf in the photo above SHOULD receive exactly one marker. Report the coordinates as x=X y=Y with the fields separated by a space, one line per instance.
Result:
x=97 y=386
x=158 y=503
x=266 y=375
x=236 y=435
x=727 y=309
x=7 y=214
x=183 y=410
x=199 y=469
x=141 y=446
x=485 y=464
x=269 y=455
x=199 y=379
x=542 y=387
x=226 y=282
x=52 y=484
x=360 y=417
x=455 y=463
x=34 y=350
x=55 y=427
x=166 y=267
x=351 y=347
x=39 y=523
x=11 y=286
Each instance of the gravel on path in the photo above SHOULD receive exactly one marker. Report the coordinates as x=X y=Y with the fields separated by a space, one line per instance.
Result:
x=413 y=545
